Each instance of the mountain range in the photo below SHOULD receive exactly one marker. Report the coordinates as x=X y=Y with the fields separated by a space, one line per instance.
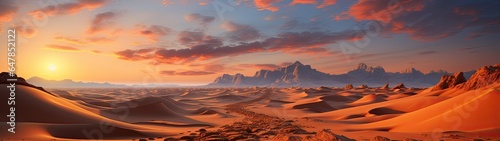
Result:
x=68 y=83
x=298 y=74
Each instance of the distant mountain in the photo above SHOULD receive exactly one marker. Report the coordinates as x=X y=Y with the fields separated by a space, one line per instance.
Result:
x=298 y=74
x=68 y=83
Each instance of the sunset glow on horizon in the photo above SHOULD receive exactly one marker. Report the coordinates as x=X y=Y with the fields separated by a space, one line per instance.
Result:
x=193 y=42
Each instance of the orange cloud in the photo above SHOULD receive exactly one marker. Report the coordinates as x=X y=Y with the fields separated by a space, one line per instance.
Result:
x=303 y=2
x=186 y=73
x=69 y=40
x=101 y=21
x=63 y=48
x=378 y=10
x=67 y=8
x=200 y=19
x=289 y=42
x=7 y=11
x=266 y=5
x=153 y=32
x=326 y=3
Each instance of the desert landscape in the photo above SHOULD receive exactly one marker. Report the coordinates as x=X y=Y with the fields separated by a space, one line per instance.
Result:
x=453 y=109
x=249 y=70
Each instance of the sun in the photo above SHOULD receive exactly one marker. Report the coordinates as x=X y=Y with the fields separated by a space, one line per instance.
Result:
x=52 y=67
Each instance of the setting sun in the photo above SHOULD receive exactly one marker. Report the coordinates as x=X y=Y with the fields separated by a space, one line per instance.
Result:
x=52 y=67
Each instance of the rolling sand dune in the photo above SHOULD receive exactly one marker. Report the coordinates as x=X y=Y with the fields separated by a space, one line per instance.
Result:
x=454 y=109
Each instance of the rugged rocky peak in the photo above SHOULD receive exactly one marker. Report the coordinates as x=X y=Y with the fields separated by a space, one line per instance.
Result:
x=363 y=68
x=385 y=87
x=411 y=71
x=399 y=86
x=297 y=63
x=349 y=86
x=449 y=81
x=484 y=76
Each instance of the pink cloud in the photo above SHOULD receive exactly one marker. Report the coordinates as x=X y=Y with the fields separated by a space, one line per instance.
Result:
x=267 y=5
x=153 y=32
x=303 y=2
x=326 y=3
x=67 y=8
x=240 y=32
x=101 y=22
x=200 y=19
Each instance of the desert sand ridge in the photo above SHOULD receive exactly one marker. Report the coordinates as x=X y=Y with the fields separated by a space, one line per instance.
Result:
x=454 y=109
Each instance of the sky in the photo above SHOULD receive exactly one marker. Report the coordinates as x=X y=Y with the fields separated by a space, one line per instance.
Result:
x=192 y=42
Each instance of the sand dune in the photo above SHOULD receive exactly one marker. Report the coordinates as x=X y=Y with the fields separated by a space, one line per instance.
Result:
x=322 y=113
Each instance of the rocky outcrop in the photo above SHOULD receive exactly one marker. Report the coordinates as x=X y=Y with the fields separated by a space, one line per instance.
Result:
x=449 y=81
x=348 y=87
x=399 y=86
x=385 y=87
x=484 y=76
x=4 y=76
x=362 y=86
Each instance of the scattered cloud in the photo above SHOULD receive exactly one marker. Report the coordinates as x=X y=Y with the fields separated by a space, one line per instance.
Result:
x=239 y=32
x=303 y=2
x=26 y=31
x=289 y=42
x=429 y=20
x=291 y=24
x=7 y=11
x=197 y=38
x=186 y=73
x=69 y=40
x=100 y=40
x=101 y=22
x=202 y=20
x=88 y=40
x=267 y=5
x=326 y=3
x=153 y=32
x=63 y=48
x=136 y=55
x=67 y=8
x=428 y=52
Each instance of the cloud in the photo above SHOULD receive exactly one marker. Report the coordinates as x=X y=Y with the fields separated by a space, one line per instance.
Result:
x=426 y=52
x=100 y=40
x=186 y=73
x=289 y=42
x=102 y=21
x=239 y=32
x=88 y=40
x=429 y=20
x=303 y=2
x=153 y=32
x=265 y=66
x=291 y=24
x=267 y=5
x=67 y=8
x=26 y=31
x=200 y=19
x=260 y=66
x=7 y=11
x=375 y=10
x=194 y=38
x=69 y=40
x=63 y=48
x=326 y=3
x=136 y=55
